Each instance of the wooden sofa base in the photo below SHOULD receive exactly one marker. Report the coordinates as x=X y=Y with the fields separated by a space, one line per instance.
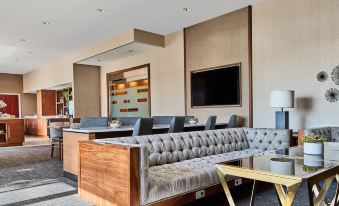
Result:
x=109 y=176
x=191 y=196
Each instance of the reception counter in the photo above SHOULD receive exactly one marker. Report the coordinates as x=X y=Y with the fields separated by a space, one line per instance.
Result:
x=73 y=136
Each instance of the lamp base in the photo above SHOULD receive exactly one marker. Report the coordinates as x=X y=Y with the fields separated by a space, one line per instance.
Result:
x=281 y=120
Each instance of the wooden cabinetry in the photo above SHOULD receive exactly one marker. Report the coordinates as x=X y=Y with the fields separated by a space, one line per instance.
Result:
x=36 y=126
x=63 y=97
x=11 y=132
x=46 y=103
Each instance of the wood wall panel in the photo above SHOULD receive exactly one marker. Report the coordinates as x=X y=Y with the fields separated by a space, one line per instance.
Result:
x=46 y=103
x=12 y=102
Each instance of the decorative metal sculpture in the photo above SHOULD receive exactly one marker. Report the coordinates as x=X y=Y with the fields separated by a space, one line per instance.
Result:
x=322 y=76
x=335 y=75
x=332 y=95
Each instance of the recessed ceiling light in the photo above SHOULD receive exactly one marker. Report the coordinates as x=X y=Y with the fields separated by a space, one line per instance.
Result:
x=22 y=40
x=45 y=22
x=101 y=10
x=187 y=9
x=131 y=51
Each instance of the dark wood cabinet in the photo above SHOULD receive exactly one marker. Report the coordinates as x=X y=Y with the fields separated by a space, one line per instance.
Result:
x=11 y=132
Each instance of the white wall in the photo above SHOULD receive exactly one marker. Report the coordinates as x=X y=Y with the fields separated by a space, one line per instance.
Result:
x=292 y=42
x=167 y=76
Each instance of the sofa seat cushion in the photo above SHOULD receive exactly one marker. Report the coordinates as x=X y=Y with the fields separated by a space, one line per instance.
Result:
x=168 y=180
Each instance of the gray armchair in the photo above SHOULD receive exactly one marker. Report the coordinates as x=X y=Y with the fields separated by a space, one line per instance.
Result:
x=162 y=119
x=88 y=122
x=233 y=122
x=128 y=121
x=56 y=136
x=177 y=125
x=210 y=124
x=143 y=126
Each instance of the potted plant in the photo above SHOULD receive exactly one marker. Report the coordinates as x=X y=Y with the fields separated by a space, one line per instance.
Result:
x=115 y=123
x=314 y=144
x=193 y=121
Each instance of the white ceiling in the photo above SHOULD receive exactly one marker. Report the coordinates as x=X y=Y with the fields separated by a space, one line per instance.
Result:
x=118 y=53
x=76 y=24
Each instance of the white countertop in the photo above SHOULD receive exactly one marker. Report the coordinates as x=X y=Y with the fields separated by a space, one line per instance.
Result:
x=125 y=128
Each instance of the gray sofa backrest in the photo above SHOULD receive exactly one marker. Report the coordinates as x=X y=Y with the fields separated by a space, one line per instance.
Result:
x=332 y=133
x=176 y=147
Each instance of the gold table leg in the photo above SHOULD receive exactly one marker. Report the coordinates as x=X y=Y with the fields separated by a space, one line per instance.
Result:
x=320 y=192
x=226 y=188
x=286 y=198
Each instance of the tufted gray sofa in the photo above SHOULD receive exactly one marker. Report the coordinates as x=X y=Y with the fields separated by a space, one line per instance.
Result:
x=178 y=163
x=332 y=133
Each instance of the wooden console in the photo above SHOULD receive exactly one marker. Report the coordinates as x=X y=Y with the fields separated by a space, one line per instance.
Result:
x=11 y=132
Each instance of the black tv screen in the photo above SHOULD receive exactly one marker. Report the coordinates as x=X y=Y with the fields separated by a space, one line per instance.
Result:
x=216 y=87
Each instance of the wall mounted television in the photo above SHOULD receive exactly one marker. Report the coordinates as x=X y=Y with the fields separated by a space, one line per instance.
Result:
x=216 y=87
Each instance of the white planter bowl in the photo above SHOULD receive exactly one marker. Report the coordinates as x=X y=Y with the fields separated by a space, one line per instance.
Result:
x=115 y=125
x=313 y=160
x=283 y=166
x=313 y=148
x=192 y=122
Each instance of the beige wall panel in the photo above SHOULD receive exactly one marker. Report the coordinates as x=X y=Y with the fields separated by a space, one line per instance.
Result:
x=216 y=42
x=292 y=42
x=167 y=76
x=86 y=90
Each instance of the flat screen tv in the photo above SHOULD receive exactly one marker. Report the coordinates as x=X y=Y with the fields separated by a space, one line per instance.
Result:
x=216 y=87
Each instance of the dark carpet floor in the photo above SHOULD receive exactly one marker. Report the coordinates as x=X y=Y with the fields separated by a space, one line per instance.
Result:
x=28 y=176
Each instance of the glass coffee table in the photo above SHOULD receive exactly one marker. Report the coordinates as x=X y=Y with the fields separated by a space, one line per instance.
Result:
x=285 y=168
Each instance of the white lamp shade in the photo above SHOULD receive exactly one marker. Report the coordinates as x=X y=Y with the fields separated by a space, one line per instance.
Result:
x=282 y=99
x=2 y=104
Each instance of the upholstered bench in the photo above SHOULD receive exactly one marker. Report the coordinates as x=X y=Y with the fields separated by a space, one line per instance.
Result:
x=154 y=169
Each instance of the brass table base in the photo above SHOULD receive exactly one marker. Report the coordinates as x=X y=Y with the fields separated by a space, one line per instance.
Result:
x=316 y=193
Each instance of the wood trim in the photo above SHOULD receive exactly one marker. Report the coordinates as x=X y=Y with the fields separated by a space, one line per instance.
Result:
x=250 y=67
x=109 y=174
x=185 y=73
x=301 y=134
x=148 y=66
x=215 y=68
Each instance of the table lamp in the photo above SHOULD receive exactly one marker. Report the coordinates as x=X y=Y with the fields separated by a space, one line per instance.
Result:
x=282 y=99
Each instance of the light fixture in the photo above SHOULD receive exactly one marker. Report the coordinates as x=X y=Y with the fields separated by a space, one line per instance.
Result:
x=131 y=51
x=186 y=9
x=282 y=99
x=101 y=10
x=45 y=22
